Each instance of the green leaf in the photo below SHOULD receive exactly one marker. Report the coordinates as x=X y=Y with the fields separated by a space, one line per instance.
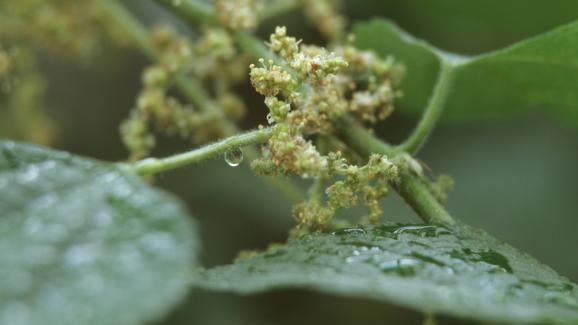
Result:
x=458 y=271
x=86 y=242
x=538 y=73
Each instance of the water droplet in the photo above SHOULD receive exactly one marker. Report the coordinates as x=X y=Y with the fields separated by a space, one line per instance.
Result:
x=422 y=231
x=402 y=266
x=234 y=157
x=350 y=231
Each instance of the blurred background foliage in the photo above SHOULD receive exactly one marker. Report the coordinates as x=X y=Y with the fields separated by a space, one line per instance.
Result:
x=515 y=178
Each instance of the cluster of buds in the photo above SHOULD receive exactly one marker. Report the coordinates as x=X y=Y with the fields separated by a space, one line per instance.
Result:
x=269 y=80
x=288 y=152
x=239 y=14
x=367 y=182
x=157 y=111
x=218 y=61
x=374 y=99
x=306 y=92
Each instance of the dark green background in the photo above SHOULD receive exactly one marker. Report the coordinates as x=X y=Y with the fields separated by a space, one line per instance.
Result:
x=516 y=178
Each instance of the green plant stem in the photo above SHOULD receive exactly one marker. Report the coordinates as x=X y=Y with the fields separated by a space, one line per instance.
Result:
x=432 y=112
x=410 y=186
x=130 y=25
x=150 y=166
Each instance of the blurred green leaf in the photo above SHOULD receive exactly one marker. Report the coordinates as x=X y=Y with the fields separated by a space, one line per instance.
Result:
x=459 y=271
x=471 y=27
x=540 y=72
x=85 y=242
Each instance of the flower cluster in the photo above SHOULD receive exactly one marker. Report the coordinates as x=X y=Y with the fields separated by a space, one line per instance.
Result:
x=367 y=182
x=306 y=92
x=239 y=14
x=212 y=55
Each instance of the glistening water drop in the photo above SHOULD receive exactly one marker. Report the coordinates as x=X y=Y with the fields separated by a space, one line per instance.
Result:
x=234 y=157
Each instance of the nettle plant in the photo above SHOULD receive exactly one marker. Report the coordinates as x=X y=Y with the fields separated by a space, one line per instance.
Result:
x=81 y=239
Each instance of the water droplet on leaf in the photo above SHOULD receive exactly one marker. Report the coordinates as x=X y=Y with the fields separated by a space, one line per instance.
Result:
x=402 y=266
x=349 y=231
x=234 y=157
x=422 y=231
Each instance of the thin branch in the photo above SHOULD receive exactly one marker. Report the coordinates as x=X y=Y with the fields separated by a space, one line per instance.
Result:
x=150 y=166
x=432 y=112
x=130 y=25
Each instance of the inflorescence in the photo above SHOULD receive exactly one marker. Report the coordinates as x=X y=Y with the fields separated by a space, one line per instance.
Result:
x=213 y=60
x=307 y=92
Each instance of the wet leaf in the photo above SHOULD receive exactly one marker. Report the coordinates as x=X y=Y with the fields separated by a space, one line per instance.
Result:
x=86 y=242
x=458 y=271
x=539 y=73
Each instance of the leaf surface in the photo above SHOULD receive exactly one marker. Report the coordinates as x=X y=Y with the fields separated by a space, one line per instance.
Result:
x=458 y=271
x=87 y=242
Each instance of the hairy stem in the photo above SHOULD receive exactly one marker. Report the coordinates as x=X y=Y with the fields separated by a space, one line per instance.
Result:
x=432 y=112
x=150 y=166
x=410 y=186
